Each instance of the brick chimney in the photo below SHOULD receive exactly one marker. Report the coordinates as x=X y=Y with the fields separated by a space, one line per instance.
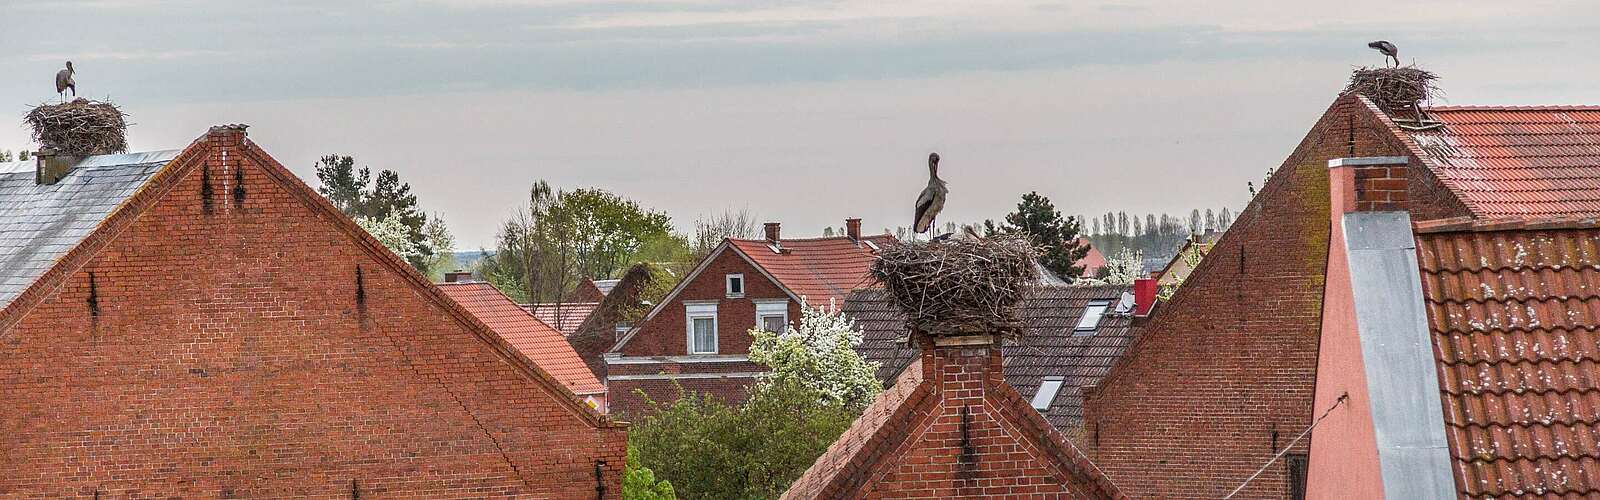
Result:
x=772 y=229
x=458 y=277
x=50 y=167
x=852 y=228
x=1368 y=184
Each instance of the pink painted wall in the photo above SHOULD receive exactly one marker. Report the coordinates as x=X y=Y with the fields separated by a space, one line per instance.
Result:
x=1344 y=447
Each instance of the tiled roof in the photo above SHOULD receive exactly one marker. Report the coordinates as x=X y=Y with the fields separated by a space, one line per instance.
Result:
x=1093 y=260
x=1512 y=315
x=39 y=224
x=818 y=269
x=536 y=340
x=571 y=314
x=1047 y=347
x=1522 y=161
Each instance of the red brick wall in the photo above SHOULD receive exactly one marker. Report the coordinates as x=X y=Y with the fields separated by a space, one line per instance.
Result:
x=230 y=357
x=1192 y=409
x=666 y=333
x=627 y=404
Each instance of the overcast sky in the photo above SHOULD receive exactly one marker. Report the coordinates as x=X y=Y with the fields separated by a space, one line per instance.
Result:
x=805 y=112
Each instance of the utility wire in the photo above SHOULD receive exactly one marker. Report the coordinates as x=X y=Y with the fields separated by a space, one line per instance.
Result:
x=1342 y=398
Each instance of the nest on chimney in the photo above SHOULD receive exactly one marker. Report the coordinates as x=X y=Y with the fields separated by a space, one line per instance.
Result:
x=80 y=127
x=1394 y=89
x=959 y=287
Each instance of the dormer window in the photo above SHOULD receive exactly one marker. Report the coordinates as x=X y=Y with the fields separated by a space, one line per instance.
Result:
x=735 y=286
x=1091 y=318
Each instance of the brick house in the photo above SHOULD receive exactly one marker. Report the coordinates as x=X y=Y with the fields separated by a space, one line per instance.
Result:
x=1070 y=337
x=698 y=337
x=160 y=336
x=539 y=342
x=952 y=427
x=1220 y=382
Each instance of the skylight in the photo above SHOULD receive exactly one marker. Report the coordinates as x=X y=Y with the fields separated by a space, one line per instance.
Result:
x=1047 y=393
x=1091 y=317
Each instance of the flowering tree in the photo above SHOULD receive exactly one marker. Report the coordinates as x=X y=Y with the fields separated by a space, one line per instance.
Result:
x=1121 y=269
x=819 y=354
x=393 y=232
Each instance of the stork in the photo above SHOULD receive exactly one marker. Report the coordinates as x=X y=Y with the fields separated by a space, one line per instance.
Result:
x=64 y=82
x=1389 y=51
x=931 y=201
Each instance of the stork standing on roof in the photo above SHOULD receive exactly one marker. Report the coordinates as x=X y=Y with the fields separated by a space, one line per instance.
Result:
x=1389 y=51
x=931 y=201
x=64 y=82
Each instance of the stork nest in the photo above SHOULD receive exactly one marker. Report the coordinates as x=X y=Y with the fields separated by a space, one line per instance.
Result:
x=959 y=287
x=1393 y=89
x=80 y=127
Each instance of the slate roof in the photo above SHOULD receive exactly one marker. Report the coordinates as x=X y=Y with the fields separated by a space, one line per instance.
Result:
x=1048 y=347
x=1512 y=313
x=818 y=269
x=538 y=341
x=39 y=224
x=571 y=314
x=1516 y=161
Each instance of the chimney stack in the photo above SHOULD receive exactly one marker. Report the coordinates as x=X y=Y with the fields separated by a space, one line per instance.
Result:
x=772 y=232
x=1144 y=296
x=50 y=167
x=1368 y=184
x=852 y=228
x=458 y=277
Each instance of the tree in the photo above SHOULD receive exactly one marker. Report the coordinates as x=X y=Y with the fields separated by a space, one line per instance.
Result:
x=1121 y=269
x=358 y=195
x=1096 y=231
x=1194 y=221
x=393 y=233
x=1056 y=237
x=1224 y=219
x=817 y=386
x=1211 y=220
x=820 y=355
x=710 y=231
x=639 y=482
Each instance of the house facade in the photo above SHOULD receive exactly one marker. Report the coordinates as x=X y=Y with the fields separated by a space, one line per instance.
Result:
x=251 y=377
x=698 y=337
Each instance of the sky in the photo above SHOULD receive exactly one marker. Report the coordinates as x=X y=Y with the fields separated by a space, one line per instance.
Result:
x=803 y=111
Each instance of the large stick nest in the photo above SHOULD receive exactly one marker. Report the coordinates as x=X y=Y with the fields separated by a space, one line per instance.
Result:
x=1393 y=89
x=959 y=287
x=80 y=127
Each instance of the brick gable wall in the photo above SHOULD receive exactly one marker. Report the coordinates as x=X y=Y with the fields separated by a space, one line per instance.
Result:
x=224 y=348
x=666 y=334
x=1194 y=407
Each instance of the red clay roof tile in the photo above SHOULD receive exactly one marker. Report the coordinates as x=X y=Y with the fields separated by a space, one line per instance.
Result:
x=538 y=341
x=820 y=269
x=1517 y=161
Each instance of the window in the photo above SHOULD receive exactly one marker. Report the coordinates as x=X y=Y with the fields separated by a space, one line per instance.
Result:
x=701 y=322
x=736 y=285
x=1091 y=318
x=1047 y=393
x=772 y=315
x=1298 y=466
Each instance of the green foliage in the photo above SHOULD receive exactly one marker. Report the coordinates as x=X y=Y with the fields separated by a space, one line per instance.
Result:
x=817 y=387
x=639 y=482
x=359 y=196
x=1055 y=236
x=819 y=355
x=562 y=237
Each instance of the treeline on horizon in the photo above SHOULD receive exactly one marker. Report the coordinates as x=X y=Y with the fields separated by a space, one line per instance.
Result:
x=1152 y=235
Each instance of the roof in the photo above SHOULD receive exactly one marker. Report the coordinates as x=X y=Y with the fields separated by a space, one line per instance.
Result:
x=605 y=286
x=571 y=314
x=1093 y=260
x=537 y=340
x=39 y=224
x=816 y=268
x=1512 y=315
x=1523 y=161
x=1047 y=346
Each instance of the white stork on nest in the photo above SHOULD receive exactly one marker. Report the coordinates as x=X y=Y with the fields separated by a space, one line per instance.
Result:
x=1389 y=51
x=64 y=82
x=931 y=201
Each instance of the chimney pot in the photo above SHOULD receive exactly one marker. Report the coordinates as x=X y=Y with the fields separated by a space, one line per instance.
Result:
x=852 y=228
x=772 y=232
x=1144 y=296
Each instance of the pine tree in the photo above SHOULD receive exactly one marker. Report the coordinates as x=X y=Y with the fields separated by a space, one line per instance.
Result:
x=1056 y=236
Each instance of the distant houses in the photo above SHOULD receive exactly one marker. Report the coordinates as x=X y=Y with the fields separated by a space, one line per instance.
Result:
x=160 y=336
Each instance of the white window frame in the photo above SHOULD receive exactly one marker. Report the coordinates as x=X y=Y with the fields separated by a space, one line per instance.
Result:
x=771 y=308
x=1084 y=330
x=727 y=285
x=1053 y=386
x=693 y=311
